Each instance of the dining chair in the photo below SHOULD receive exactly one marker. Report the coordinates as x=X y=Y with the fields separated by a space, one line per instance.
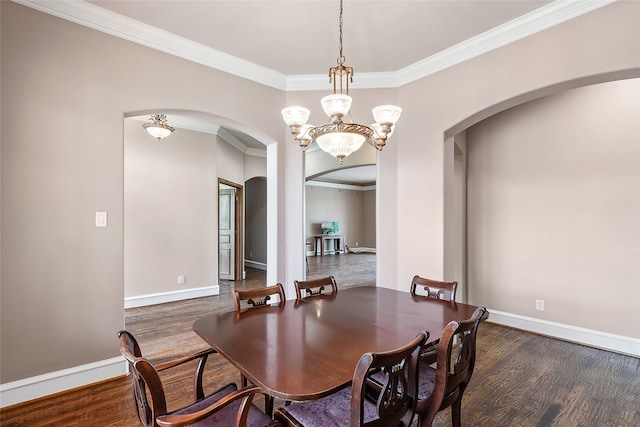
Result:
x=443 y=385
x=258 y=297
x=226 y=406
x=314 y=287
x=358 y=405
x=252 y=299
x=433 y=288
x=424 y=288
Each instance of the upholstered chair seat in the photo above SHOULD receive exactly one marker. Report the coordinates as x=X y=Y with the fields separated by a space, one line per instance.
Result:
x=226 y=416
x=330 y=411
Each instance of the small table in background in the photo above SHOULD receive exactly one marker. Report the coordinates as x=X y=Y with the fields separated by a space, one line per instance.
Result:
x=338 y=243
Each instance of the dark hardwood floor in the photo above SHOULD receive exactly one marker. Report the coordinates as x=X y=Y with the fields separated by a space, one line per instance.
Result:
x=521 y=379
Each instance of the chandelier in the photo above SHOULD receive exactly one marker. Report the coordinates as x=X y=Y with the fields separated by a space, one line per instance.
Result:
x=158 y=127
x=339 y=137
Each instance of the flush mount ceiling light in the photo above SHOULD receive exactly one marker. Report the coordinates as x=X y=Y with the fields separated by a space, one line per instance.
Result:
x=337 y=137
x=158 y=127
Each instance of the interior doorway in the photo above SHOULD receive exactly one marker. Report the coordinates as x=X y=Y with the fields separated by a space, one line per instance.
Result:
x=230 y=235
x=345 y=198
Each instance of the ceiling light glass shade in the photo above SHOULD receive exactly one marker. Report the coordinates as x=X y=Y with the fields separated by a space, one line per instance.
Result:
x=340 y=144
x=336 y=105
x=158 y=127
x=387 y=114
x=158 y=132
x=295 y=116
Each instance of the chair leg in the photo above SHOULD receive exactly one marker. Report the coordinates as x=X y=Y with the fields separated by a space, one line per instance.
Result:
x=455 y=412
x=268 y=405
x=243 y=380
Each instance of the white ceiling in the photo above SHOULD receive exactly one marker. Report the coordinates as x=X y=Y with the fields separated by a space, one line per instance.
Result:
x=291 y=44
x=359 y=177
x=301 y=37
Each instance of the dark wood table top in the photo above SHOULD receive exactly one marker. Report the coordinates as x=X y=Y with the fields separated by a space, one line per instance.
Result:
x=306 y=350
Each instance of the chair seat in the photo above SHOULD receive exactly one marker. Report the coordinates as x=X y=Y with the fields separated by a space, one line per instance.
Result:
x=227 y=415
x=426 y=380
x=330 y=411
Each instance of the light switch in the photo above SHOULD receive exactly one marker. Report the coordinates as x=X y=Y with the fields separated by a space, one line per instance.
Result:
x=101 y=219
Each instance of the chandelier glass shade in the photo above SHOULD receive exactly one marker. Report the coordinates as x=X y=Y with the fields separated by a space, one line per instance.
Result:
x=338 y=137
x=158 y=127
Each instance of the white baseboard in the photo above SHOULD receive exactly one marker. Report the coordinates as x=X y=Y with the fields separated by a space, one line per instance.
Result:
x=255 y=264
x=55 y=382
x=159 y=298
x=589 y=337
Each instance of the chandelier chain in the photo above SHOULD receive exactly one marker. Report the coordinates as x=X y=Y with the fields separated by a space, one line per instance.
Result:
x=341 y=57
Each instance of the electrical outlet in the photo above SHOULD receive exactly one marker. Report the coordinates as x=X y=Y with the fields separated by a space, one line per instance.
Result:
x=180 y=280
x=540 y=304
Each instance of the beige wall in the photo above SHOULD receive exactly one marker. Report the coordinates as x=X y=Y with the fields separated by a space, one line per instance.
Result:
x=554 y=208
x=353 y=209
x=368 y=219
x=254 y=166
x=170 y=208
x=569 y=55
x=566 y=56
x=62 y=278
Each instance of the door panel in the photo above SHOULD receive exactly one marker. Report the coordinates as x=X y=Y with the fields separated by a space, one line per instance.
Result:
x=226 y=234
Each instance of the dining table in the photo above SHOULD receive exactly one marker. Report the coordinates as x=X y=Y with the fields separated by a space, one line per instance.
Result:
x=307 y=349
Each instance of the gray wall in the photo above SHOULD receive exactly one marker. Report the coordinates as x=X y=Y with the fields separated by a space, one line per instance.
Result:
x=256 y=220
x=553 y=208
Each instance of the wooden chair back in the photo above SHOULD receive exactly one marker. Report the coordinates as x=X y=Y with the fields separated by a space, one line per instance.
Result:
x=433 y=288
x=314 y=287
x=224 y=406
x=387 y=401
x=455 y=363
x=148 y=392
x=396 y=397
x=258 y=297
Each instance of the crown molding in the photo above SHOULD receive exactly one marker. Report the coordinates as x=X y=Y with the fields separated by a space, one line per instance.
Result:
x=543 y=18
x=340 y=186
x=235 y=142
x=100 y=19
x=97 y=18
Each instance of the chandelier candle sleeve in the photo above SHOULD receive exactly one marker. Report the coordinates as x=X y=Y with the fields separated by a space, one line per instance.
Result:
x=337 y=137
